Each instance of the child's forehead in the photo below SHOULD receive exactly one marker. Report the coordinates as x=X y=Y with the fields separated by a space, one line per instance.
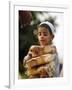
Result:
x=42 y=29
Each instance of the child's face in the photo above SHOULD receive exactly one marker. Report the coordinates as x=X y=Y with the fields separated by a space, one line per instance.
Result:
x=44 y=36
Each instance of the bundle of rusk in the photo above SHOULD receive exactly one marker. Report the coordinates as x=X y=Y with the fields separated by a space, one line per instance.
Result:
x=41 y=57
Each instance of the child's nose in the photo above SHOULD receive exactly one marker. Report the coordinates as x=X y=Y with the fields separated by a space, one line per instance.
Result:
x=42 y=37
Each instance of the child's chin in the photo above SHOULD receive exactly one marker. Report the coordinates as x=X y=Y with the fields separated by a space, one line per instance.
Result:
x=42 y=43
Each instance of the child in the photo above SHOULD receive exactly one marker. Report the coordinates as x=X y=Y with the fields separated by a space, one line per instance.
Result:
x=48 y=66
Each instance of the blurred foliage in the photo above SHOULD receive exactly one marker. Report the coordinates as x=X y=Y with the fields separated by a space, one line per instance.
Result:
x=26 y=35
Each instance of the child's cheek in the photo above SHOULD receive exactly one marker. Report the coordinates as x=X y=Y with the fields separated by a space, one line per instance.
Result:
x=38 y=37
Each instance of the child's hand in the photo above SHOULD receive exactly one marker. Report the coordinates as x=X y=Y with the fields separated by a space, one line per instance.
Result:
x=29 y=56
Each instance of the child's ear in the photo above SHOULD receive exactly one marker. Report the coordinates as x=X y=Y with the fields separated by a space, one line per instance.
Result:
x=52 y=37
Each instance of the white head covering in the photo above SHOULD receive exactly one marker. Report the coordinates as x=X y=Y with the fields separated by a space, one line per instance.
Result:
x=50 y=25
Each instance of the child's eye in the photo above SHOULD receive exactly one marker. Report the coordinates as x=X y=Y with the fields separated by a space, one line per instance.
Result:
x=45 y=34
x=39 y=34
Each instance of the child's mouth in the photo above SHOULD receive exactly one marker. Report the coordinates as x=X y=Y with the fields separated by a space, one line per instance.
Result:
x=42 y=40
